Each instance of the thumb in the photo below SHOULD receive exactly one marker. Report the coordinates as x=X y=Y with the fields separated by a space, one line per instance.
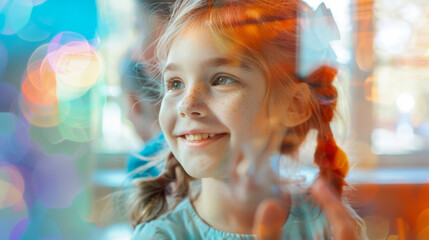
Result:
x=343 y=225
x=271 y=215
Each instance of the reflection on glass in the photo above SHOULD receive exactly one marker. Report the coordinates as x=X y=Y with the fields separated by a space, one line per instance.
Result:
x=399 y=90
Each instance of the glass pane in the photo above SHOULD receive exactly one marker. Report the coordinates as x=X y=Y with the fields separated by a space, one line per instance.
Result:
x=399 y=86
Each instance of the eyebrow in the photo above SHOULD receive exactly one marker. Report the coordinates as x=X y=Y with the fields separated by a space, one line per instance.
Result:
x=213 y=62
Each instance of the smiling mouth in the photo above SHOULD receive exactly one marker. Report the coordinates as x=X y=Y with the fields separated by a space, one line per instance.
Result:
x=198 y=137
x=202 y=137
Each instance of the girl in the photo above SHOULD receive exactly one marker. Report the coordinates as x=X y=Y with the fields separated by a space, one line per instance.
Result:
x=232 y=103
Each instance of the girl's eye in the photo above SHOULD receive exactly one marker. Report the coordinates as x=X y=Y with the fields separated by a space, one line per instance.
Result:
x=174 y=84
x=223 y=80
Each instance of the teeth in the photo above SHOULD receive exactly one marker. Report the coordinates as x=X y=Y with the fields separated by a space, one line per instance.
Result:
x=189 y=137
x=198 y=137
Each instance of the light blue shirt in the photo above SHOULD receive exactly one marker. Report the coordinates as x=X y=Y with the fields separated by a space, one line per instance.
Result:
x=305 y=221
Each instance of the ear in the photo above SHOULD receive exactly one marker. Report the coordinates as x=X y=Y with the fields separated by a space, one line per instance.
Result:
x=296 y=108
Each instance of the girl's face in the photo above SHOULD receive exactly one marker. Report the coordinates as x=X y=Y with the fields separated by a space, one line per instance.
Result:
x=212 y=104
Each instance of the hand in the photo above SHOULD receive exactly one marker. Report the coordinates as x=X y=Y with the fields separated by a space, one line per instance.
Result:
x=254 y=191
x=340 y=219
x=271 y=216
x=252 y=174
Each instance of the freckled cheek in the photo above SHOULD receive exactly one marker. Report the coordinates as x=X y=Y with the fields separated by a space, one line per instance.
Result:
x=253 y=114
x=233 y=111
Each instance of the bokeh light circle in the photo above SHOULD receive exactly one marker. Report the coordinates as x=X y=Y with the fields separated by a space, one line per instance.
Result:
x=38 y=101
x=57 y=181
x=13 y=138
x=38 y=2
x=3 y=4
x=17 y=14
x=59 y=85
x=78 y=69
x=365 y=55
x=422 y=221
x=65 y=39
x=3 y=58
x=8 y=96
x=371 y=89
x=19 y=229
x=423 y=234
x=33 y=32
x=39 y=86
x=11 y=186
x=29 y=228
x=377 y=227
x=8 y=223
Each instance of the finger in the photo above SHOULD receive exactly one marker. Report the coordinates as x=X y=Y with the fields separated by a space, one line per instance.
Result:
x=329 y=201
x=338 y=216
x=324 y=194
x=271 y=215
x=256 y=163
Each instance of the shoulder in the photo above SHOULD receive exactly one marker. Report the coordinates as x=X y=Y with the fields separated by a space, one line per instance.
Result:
x=148 y=231
x=182 y=223
x=171 y=225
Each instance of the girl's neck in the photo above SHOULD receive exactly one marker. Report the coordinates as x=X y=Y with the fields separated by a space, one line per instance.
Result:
x=216 y=208
x=223 y=211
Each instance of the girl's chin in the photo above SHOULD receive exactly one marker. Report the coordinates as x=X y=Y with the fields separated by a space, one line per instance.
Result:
x=203 y=167
x=208 y=173
x=198 y=173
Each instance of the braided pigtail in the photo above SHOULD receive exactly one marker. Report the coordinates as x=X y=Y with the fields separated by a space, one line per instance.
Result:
x=332 y=161
x=149 y=200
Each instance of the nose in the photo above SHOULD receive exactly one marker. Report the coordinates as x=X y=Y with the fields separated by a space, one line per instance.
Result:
x=193 y=104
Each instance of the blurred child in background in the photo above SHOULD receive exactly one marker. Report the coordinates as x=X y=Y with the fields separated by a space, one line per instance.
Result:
x=141 y=90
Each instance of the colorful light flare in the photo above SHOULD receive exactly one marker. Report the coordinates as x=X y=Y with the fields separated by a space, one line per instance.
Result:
x=56 y=89
x=11 y=186
x=78 y=69
x=16 y=13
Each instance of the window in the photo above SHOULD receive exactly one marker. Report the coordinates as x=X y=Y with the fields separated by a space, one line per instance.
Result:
x=389 y=85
